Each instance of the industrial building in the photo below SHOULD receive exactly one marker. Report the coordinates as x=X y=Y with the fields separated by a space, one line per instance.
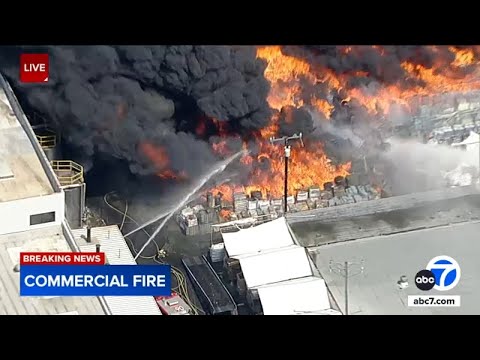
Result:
x=110 y=240
x=33 y=217
x=273 y=273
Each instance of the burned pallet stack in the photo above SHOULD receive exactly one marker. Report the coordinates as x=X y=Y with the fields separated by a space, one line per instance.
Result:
x=354 y=194
x=240 y=202
x=197 y=220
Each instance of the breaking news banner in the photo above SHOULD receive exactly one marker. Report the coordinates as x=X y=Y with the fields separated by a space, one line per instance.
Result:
x=87 y=274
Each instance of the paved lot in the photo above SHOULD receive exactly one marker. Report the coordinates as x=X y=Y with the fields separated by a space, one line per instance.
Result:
x=434 y=214
x=389 y=257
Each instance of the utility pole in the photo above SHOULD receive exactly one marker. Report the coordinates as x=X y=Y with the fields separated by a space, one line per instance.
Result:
x=346 y=269
x=285 y=140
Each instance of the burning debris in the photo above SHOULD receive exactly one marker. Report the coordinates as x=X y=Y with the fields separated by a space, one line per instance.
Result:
x=170 y=110
x=198 y=219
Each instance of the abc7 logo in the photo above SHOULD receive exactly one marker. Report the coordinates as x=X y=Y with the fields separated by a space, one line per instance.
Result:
x=442 y=273
x=425 y=280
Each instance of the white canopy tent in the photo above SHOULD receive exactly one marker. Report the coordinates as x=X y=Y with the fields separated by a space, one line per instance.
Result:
x=272 y=266
x=308 y=295
x=274 y=234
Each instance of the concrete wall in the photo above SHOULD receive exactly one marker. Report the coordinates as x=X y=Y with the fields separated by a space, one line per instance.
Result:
x=15 y=215
x=381 y=205
x=54 y=153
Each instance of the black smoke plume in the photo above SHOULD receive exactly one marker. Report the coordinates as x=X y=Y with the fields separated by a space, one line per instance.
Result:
x=116 y=99
x=372 y=68
x=112 y=99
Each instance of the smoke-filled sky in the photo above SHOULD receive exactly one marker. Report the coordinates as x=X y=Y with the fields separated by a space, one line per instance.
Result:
x=112 y=98
x=382 y=63
x=147 y=102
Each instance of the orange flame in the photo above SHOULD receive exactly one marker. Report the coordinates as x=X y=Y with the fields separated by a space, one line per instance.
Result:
x=225 y=214
x=221 y=148
x=158 y=156
x=222 y=127
x=201 y=128
x=283 y=72
x=309 y=165
x=442 y=77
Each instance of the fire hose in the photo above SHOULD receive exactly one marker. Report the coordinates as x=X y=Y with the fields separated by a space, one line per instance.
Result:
x=182 y=286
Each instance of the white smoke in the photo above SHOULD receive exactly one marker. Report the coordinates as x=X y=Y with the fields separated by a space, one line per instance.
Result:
x=328 y=127
x=418 y=167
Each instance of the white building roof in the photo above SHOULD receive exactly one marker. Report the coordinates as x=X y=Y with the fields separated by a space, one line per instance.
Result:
x=294 y=297
x=117 y=252
x=21 y=173
x=48 y=239
x=271 y=235
x=272 y=266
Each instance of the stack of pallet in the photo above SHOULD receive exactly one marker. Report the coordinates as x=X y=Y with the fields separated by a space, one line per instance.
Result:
x=263 y=205
x=277 y=203
x=197 y=220
x=240 y=202
x=354 y=194
x=302 y=196
x=189 y=222
x=314 y=194
x=252 y=207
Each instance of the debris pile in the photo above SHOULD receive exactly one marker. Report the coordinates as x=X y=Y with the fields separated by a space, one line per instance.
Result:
x=198 y=219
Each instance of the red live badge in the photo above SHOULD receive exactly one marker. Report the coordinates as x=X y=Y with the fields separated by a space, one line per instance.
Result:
x=34 y=68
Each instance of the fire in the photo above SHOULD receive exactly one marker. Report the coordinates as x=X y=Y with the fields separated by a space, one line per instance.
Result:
x=225 y=214
x=158 y=156
x=291 y=80
x=308 y=166
x=463 y=57
x=442 y=77
x=324 y=106
x=284 y=73
x=221 y=148
x=201 y=128
x=226 y=191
